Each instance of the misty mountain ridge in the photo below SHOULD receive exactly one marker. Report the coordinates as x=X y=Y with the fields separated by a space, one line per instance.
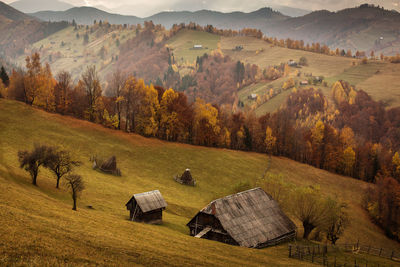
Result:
x=234 y=20
x=31 y=6
x=9 y=13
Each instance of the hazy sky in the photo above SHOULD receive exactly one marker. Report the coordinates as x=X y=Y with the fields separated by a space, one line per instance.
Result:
x=148 y=7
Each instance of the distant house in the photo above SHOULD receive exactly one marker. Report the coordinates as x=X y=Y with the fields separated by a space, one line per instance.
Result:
x=304 y=83
x=249 y=219
x=198 y=46
x=252 y=97
x=146 y=207
x=292 y=63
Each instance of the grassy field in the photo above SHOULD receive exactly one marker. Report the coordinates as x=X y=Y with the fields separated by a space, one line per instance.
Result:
x=378 y=79
x=182 y=45
x=258 y=52
x=74 y=55
x=39 y=228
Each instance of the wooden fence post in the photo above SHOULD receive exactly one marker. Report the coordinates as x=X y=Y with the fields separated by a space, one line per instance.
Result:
x=290 y=251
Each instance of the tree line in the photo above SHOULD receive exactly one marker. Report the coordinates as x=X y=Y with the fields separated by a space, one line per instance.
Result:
x=353 y=135
x=56 y=160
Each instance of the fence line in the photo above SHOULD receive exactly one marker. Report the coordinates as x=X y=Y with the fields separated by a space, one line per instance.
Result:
x=319 y=254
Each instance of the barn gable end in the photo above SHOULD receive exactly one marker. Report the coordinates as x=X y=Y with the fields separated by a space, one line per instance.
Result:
x=146 y=207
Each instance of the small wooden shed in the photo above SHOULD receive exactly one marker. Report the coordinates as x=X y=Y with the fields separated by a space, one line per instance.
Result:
x=249 y=219
x=146 y=207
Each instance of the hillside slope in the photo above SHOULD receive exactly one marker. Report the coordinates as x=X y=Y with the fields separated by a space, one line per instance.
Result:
x=359 y=28
x=234 y=20
x=18 y=30
x=39 y=227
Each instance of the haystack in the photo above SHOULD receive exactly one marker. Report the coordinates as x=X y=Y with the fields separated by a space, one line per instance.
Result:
x=186 y=178
x=108 y=166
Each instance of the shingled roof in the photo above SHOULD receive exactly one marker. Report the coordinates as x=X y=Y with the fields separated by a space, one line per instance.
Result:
x=251 y=217
x=149 y=201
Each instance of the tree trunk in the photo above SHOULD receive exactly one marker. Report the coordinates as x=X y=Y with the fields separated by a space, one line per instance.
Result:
x=308 y=227
x=58 y=181
x=34 y=178
x=74 y=207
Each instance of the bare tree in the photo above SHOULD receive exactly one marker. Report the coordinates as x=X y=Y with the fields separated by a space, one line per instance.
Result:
x=76 y=185
x=91 y=84
x=62 y=91
x=60 y=163
x=31 y=161
x=337 y=221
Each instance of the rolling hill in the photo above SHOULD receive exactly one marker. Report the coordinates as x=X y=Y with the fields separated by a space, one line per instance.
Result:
x=18 y=30
x=235 y=20
x=9 y=13
x=86 y=15
x=359 y=28
x=39 y=227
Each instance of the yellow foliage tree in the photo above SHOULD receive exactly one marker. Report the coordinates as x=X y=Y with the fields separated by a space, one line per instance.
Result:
x=110 y=121
x=288 y=84
x=338 y=92
x=169 y=122
x=226 y=138
x=349 y=158
x=146 y=121
x=347 y=137
x=206 y=126
x=318 y=133
x=270 y=141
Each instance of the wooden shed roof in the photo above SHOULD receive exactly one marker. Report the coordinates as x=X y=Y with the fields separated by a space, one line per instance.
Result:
x=251 y=217
x=149 y=201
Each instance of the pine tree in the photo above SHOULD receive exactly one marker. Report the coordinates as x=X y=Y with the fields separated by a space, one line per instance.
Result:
x=4 y=76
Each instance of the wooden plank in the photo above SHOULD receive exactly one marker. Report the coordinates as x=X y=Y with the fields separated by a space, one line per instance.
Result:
x=203 y=232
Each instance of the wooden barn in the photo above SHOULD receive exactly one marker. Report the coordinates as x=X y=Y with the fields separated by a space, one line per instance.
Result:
x=146 y=207
x=249 y=219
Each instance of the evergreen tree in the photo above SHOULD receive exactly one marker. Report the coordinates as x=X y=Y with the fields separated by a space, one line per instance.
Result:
x=4 y=76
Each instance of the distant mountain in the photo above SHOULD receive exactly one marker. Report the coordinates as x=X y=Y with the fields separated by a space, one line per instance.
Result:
x=9 y=13
x=31 y=6
x=86 y=15
x=359 y=28
x=235 y=20
x=291 y=11
x=362 y=28
x=18 y=30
